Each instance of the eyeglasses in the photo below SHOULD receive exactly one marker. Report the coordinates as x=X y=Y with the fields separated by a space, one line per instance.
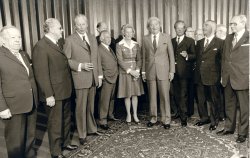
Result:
x=233 y=24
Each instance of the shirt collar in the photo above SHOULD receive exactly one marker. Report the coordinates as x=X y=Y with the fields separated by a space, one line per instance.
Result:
x=240 y=34
x=209 y=38
x=51 y=38
x=157 y=35
x=106 y=46
x=133 y=43
x=181 y=38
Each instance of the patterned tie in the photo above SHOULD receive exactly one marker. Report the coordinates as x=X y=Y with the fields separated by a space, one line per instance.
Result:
x=154 y=43
x=207 y=42
x=85 y=42
x=234 y=40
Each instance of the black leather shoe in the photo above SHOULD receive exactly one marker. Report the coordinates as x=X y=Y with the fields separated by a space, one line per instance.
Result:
x=166 y=126
x=176 y=116
x=95 y=134
x=223 y=132
x=70 y=147
x=82 y=141
x=212 y=127
x=201 y=123
x=59 y=156
x=241 y=139
x=105 y=127
x=150 y=124
x=184 y=123
x=221 y=119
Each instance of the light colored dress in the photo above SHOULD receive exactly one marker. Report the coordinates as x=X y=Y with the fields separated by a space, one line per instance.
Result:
x=129 y=58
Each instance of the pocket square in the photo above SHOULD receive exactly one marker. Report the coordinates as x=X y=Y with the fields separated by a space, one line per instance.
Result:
x=215 y=49
x=245 y=45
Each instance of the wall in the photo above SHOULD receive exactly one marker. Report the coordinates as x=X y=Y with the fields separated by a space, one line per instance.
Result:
x=29 y=15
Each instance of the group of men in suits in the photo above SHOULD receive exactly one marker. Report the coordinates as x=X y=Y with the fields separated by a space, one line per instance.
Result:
x=84 y=66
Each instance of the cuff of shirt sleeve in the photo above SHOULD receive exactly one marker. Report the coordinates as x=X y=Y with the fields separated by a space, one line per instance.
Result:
x=101 y=77
x=187 y=58
x=138 y=70
x=128 y=71
x=79 y=67
x=143 y=73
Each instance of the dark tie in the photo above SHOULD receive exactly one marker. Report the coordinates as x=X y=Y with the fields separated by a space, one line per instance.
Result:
x=154 y=43
x=234 y=40
x=207 y=42
x=85 y=42
x=178 y=40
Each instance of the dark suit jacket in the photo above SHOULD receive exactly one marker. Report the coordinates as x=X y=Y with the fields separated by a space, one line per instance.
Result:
x=184 y=67
x=77 y=52
x=51 y=70
x=17 y=88
x=208 y=62
x=109 y=64
x=157 y=65
x=235 y=62
x=112 y=44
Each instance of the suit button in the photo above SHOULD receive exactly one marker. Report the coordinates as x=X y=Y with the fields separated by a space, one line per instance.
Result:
x=202 y=61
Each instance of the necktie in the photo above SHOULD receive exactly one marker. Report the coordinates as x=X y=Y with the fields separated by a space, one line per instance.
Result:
x=18 y=56
x=85 y=42
x=154 y=43
x=207 y=42
x=234 y=40
x=178 y=40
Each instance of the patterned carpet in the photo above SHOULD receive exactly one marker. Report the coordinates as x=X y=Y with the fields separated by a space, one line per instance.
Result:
x=138 y=141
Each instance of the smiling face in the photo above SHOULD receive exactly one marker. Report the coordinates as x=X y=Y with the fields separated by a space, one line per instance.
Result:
x=12 y=39
x=56 y=30
x=128 y=33
x=81 y=25
x=105 y=38
x=180 y=29
x=154 y=26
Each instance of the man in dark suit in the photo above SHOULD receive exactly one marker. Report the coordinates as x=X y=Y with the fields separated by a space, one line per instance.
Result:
x=82 y=52
x=54 y=81
x=109 y=65
x=158 y=70
x=101 y=26
x=184 y=52
x=207 y=75
x=18 y=95
x=235 y=78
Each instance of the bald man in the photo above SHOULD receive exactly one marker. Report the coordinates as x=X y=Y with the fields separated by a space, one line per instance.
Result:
x=207 y=75
x=18 y=95
x=221 y=32
x=235 y=78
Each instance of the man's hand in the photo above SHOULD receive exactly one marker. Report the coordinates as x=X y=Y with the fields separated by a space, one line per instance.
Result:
x=87 y=66
x=6 y=114
x=143 y=77
x=50 y=101
x=171 y=76
x=99 y=82
x=184 y=54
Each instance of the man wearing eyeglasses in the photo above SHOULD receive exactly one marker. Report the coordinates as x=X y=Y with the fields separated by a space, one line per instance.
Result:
x=235 y=78
x=54 y=81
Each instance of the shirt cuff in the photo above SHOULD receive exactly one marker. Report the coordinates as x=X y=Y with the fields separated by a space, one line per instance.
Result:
x=143 y=73
x=128 y=71
x=101 y=77
x=79 y=67
x=138 y=70
x=187 y=57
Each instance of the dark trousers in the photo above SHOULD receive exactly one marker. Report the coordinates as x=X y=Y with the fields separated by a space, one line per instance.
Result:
x=19 y=135
x=59 y=124
x=181 y=96
x=232 y=99
x=191 y=92
x=212 y=96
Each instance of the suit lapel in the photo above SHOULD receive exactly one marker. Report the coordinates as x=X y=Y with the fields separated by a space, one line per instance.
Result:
x=174 y=43
x=11 y=56
x=53 y=45
x=80 y=42
x=182 y=42
x=108 y=52
x=242 y=40
x=149 y=41
x=210 y=44
x=160 y=41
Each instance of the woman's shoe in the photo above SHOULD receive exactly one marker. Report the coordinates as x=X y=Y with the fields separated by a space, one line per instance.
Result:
x=137 y=121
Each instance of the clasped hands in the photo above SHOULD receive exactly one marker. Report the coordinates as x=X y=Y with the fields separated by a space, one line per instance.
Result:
x=135 y=74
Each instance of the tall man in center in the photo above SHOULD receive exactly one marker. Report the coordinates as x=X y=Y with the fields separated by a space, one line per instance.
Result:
x=158 y=70
x=82 y=52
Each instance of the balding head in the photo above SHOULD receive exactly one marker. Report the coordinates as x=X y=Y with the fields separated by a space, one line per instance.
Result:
x=221 y=31
x=238 y=23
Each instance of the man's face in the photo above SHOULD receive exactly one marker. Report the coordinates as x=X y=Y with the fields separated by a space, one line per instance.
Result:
x=102 y=27
x=199 y=35
x=221 y=33
x=13 y=39
x=106 y=38
x=180 y=29
x=57 y=30
x=154 y=27
x=207 y=29
x=236 y=25
x=190 y=33
x=81 y=25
